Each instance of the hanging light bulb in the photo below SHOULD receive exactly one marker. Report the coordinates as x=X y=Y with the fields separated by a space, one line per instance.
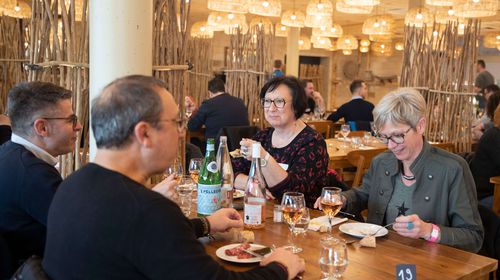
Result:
x=346 y=52
x=399 y=46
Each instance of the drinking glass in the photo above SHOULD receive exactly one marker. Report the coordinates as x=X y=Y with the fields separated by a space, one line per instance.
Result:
x=303 y=223
x=345 y=129
x=367 y=136
x=194 y=168
x=293 y=205
x=184 y=193
x=356 y=142
x=331 y=203
x=176 y=169
x=333 y=257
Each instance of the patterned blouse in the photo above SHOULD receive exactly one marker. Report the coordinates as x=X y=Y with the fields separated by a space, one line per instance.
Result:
x=307 y=160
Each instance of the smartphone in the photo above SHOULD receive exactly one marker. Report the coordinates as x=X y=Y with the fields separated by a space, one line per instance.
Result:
x=263 y=251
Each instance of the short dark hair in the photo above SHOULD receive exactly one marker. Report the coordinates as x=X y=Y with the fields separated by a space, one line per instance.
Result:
x=299 y=98
x=355 y=85
x=30 y=100
x=216 y=85
x=491 y=88
x=304 y=82
x=492 y=104
x=481 y=62
x=278 y=63
x=121 y=105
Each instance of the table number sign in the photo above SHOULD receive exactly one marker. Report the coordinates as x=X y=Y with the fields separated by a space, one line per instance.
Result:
x=406 y=272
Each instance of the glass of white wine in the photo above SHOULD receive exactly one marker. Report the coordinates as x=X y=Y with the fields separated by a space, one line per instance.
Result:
x=184 y=193
x=194 y=168
x=331 y=203
x=293 y=205
x=333 y=257
x=345 y=129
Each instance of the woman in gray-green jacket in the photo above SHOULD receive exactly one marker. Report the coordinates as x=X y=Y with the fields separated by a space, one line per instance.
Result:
x=429 y=193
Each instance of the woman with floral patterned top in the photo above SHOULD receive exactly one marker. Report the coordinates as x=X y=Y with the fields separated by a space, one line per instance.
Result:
x=293 y=155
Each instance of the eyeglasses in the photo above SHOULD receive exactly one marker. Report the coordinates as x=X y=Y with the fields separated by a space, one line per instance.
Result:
x=73 y=119
x=398 y=138
x=181 y=123
x=278 y=102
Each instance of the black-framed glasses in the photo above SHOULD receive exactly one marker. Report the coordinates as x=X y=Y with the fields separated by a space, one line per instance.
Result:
x=278 y=102
x=181 y=123
x=73 y=119
x=397 y=138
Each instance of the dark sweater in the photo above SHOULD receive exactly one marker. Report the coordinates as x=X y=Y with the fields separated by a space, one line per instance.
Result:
x=354 y=110
x=486 y=162
x=5 y=133
x=103 y=225
x=218 y=112
x=27 y=186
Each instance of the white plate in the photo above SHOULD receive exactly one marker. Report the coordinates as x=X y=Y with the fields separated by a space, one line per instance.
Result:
x=238 y=194
x=221 y=253
x=362 y=229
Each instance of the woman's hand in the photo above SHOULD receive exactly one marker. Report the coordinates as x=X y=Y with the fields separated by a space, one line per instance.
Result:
x=246 y=148
x=412 y=226
x=167 y=188
x=224 y=219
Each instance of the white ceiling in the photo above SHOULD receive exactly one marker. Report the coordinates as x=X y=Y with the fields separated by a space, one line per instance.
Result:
x=396 y=8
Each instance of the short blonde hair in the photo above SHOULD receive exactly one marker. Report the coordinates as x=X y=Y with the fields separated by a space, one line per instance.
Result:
x=404 y=105
x=496 y=116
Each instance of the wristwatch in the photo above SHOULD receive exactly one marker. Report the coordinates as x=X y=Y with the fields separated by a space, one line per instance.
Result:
x=263 y=162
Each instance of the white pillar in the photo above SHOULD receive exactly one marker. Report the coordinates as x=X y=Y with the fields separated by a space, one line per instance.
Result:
x=292 y=51
x=121 y=43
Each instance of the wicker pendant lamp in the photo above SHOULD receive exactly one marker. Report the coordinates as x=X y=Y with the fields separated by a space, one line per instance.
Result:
x=342 y=7
x=16 y=8
x=444 y=15
x=318 y=21
x=280 y=30
x=293 y=18
x=229 y=6
x=399 y=46
x=304 y=43
x=441 y=3
x=491 y=40
x=364 y=49
x=334 y=31
x=321 y=42
x=347 y=42
x=262 y=23
x=418 y=17
x=267 y=8
x=378 y=25
x=235 y=22
x=381 y=38
x=346 y=52
x=217 y=21
x=362 y=2
x=200 y=29
x=476 y=8
x=320 y=7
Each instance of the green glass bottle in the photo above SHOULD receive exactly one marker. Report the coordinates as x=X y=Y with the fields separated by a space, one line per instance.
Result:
x=209 y=183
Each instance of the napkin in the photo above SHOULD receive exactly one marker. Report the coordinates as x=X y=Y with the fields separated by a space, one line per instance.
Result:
x=316 y=223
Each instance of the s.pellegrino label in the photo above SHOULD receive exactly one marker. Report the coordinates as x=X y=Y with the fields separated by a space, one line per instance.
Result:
x=209 y=183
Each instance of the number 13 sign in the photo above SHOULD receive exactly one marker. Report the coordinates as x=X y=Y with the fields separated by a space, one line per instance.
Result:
x=406 y=272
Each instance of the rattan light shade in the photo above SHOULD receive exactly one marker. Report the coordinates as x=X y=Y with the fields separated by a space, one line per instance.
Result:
x=334 y=31
x=442 y=16
x=491 y=40
x=16 y=9
x=346 y=52
x=362 y=2
x=418 y=17
x=381 y=38
x=229 y=6
x=476 y=8
x=217 y=21
x=364 y=43
x=280 y=30
x=293 y=18
x=318 y=21
x=342 y=7
x=304 y=43
x=262 y=23
x=235 y=22
x=321 y=42
x=382 y=49
x=347 y=42
x=201 y=29
x=378 y=25
x=399 y=46
x=442 y=3
x=320 y=7
x=267 y=8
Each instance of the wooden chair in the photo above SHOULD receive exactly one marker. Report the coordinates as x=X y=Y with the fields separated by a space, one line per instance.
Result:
x=322 y=127
x=357 y=133
x=496 y=195
x=362 y=160
x=450 y=147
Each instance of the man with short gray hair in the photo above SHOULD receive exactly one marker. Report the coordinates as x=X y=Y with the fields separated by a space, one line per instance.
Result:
x=43 y=127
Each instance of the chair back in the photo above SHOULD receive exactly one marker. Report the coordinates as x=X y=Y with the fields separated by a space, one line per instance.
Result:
x=450 y=147
x=322 y=127
x=496 y=194
x=6 y=268
x=362 y=159
x=31 y=270
x=358 y=133
x=235 y=134
x=491 y=243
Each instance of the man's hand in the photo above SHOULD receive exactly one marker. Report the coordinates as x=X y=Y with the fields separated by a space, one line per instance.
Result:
x=292 y=262
x=412 y=226
x=224 y=219
x=167 y=188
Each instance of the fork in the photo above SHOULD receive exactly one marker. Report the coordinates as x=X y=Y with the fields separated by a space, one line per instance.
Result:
x=372 y=234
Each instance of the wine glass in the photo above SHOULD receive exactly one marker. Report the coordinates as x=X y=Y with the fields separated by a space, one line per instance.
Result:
x=345 y=129
x=293 y=205
x=184 y=194
x=303 y=223
x=331 y=203
x=176 y=169
x=194 y=168
x=333 y=257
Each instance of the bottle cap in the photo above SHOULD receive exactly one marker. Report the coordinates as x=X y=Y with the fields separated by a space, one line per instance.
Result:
x=256 y=150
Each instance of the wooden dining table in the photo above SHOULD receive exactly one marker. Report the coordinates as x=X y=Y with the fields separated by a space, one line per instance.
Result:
x=433 y=261
x=338 y=149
